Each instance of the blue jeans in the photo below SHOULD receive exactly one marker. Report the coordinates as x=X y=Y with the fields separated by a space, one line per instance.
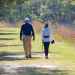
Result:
x=46 y=48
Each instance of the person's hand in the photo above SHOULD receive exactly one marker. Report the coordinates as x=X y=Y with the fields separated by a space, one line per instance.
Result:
x=33 y=38
x=20 y=38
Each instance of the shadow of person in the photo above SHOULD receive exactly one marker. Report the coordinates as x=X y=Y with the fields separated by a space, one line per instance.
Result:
x=35 y=58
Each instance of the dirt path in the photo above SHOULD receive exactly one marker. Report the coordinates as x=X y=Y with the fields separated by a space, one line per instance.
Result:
x=38 y=65
x=15 y=69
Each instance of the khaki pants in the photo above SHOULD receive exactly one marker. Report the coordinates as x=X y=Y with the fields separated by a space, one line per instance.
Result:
x=27 y=45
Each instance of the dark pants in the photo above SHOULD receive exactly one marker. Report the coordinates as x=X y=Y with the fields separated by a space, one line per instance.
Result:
x=46 y=48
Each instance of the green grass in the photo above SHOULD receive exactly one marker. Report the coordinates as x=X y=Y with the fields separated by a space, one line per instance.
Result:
x=60 y=52
x=62 y=48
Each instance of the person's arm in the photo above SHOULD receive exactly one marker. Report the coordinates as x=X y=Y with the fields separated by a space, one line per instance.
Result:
x=21 y=33
x=51 y=37
x=33 y=33
x=42 y=34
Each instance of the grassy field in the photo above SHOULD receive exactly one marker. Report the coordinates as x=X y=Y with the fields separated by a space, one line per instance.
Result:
x=61 y=53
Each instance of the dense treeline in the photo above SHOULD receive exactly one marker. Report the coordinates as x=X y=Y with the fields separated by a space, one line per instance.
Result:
x=58 y=10
x=8 y=10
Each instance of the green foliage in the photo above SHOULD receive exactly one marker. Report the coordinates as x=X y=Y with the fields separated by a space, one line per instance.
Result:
x=59 y=10
x=7 y=11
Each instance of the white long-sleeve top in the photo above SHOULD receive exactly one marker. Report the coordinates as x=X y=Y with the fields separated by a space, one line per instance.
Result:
x=46 y=32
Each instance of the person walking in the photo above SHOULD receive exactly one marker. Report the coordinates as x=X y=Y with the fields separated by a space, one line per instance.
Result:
x=26 y=34
x=46 y=39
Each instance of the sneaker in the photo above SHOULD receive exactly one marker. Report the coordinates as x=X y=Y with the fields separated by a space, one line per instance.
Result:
x=26 y=57
x=30 y=56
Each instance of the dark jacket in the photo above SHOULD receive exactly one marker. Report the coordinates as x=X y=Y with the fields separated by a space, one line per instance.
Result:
x=27 y=30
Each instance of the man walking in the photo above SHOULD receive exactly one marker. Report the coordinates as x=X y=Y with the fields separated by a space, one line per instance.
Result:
x=26 y=34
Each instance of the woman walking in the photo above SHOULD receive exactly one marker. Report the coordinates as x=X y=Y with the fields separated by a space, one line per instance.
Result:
x=46 y=39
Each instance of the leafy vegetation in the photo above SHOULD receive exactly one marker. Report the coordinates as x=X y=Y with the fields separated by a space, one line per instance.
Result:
x=59 y=10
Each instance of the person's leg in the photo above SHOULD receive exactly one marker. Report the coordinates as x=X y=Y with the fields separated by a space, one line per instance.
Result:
x=46 y=49
x=29 y=46
x=25 y=47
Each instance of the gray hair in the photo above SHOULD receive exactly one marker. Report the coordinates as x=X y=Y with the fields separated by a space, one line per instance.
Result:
x=26 y=19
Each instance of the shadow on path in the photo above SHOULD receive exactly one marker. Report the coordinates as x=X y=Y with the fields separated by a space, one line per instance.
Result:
x=8 y=33
x=30 y=71
x=5 y=45
x=7 y=38
x=7 y=56
x=11 y=56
